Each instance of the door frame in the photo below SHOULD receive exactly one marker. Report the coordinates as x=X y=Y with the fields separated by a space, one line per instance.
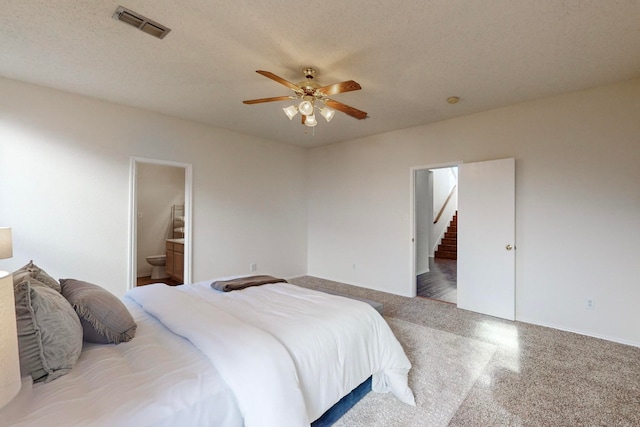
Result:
x=412 y=217
x=133 y=216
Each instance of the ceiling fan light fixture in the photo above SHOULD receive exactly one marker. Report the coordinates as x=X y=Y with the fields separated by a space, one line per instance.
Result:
x=309 y=93
x=327 y=113
x=290 y=111
x=306 y=107
x=311 y=120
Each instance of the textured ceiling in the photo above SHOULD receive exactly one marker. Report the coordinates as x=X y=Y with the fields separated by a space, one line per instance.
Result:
x=408 y=56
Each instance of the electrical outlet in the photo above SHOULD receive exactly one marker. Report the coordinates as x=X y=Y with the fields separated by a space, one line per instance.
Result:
x=590 y=304
x=253 y=266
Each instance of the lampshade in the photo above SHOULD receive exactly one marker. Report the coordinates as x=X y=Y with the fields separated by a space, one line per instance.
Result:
x=6 y=250
x=306 y=107
x=311 y=121
x=290 y=111
x=9 y=357
x=327 y=113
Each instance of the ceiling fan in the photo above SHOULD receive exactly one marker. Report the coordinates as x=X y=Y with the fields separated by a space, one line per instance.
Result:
x=309 y=92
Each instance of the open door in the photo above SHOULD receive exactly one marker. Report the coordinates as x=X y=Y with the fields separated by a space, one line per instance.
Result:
x=486 y=237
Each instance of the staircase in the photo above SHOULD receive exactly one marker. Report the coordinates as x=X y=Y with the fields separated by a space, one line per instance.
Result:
x=448 y=247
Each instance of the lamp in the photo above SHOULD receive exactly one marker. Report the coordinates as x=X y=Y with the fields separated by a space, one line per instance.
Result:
x=306 y=107
x=290 y=111
x=6 y=250
x=311 y=120
x=327 y=113
x=10 y=381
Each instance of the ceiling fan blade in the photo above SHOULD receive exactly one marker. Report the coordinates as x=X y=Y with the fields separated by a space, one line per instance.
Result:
x=279 y=80
x=337 y=88
x=261 y=100
x=353 y=112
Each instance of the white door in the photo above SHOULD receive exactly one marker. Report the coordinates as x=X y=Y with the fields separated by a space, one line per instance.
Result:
x=486 y=237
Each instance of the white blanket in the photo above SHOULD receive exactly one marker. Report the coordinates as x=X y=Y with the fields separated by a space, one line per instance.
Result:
x=158 y=379
x=288 y=353
x=255 y=366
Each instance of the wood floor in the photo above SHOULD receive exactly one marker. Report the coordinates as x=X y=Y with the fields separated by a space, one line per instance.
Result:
x=440 y=283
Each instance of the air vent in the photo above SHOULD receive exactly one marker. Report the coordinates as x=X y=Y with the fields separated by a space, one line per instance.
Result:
x=140 y=22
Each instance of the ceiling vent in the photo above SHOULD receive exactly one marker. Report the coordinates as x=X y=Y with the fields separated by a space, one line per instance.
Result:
x=140 y=22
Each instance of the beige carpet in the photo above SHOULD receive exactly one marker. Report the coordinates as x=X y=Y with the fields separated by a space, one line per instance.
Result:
x=444 y=368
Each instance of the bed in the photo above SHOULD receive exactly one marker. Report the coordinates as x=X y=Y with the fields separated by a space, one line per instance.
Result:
x=270 y=355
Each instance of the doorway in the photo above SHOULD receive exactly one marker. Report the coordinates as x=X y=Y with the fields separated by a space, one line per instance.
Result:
x=435 y=189
x=486 y=236
x=159 y=215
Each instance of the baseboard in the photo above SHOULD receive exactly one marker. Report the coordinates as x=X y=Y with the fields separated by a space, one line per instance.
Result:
x=579 y=332
x=358 y=285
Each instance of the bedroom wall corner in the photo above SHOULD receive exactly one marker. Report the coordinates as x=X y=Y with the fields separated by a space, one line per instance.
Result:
x=64 y=188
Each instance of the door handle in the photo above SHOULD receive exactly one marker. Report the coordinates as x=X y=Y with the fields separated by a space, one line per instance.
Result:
x=508 y=247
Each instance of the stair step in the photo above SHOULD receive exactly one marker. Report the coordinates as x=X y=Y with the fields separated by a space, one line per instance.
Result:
x=446 y=255
x=448 y=247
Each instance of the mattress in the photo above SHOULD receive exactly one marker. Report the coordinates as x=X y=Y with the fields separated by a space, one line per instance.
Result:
x=157 y=379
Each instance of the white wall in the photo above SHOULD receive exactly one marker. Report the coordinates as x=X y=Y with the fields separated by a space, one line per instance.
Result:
x=158 y=188
x=64 y=188
x=577 y=204
x=444 y=181
x=423 y=219
x=64 y=182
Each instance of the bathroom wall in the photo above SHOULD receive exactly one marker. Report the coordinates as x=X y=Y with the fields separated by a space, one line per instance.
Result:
x=158 y=188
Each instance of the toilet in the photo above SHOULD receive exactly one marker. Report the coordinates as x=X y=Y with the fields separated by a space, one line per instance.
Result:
x=158 y=262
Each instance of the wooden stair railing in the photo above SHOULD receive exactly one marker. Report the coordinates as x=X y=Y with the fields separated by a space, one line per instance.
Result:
x=453 y=189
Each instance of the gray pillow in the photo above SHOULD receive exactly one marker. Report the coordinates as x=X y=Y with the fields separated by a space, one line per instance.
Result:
x=49 y=332
x=105 y=319
x=33 y=271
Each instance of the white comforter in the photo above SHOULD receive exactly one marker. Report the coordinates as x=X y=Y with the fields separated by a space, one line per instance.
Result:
x=158 y=379
x=287 y=353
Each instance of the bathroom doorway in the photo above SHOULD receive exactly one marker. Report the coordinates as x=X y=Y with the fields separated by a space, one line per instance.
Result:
x=160 y=222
